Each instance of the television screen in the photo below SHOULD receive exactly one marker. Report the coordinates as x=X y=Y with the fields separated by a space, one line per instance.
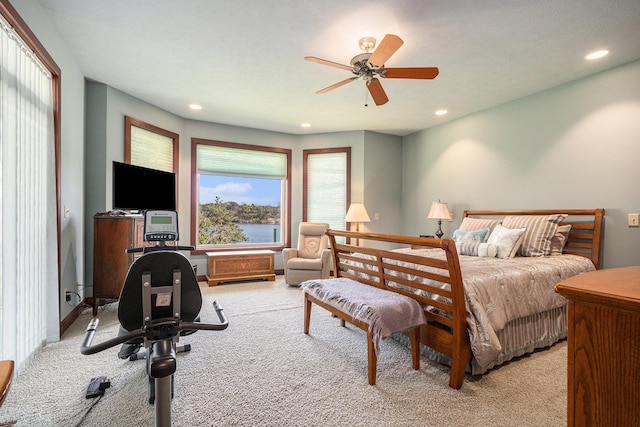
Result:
x=139 y=188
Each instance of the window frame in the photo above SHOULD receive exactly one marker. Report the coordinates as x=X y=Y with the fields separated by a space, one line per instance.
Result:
x=130 y=121
x=305 y=175
x=285 y=223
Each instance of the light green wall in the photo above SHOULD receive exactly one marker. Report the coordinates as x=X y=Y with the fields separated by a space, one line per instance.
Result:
x=575 y=146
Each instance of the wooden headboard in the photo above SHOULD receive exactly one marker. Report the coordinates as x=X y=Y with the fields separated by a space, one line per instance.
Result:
x=585 y=237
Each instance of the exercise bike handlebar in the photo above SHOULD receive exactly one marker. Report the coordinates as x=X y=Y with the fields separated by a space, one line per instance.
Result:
x=86 y=347
x=208 y=326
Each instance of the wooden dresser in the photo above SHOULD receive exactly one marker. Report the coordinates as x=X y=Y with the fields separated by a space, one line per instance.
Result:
x=603 y=347
x=111 y=236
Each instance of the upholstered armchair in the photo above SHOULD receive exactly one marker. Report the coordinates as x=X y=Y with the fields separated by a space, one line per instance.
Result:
x=311 y=260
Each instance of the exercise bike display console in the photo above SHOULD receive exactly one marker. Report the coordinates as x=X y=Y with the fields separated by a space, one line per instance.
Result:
x=161 y=226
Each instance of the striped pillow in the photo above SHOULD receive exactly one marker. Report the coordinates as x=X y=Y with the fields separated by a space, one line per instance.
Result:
x=560 y=239
x=474 y=224
x=540 y=229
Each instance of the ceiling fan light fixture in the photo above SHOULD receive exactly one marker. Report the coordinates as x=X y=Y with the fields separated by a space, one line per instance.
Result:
x=367 y=43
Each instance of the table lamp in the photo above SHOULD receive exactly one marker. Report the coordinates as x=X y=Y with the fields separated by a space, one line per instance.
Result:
x=439 y=211
x=357 y=213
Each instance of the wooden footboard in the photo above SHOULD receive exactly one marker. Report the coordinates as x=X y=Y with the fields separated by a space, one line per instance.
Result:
x=446 y=331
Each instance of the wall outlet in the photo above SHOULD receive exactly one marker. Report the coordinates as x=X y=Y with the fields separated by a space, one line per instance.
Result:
x=634 y=220
x=67 y=295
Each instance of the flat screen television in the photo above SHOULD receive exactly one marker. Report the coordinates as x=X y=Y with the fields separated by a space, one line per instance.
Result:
x=138 y=188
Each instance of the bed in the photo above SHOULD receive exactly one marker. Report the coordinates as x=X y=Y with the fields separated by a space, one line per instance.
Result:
x=482 y=310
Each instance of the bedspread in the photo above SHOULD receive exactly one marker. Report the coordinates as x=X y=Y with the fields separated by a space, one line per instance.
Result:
x=500 y=290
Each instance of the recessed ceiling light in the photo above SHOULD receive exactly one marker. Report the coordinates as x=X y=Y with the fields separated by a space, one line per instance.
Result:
x=597 y=54
x=441 y=112
x=195 y=106
x=305 y=125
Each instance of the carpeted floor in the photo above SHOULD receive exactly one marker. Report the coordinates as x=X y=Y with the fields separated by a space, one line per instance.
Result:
x=263 y=371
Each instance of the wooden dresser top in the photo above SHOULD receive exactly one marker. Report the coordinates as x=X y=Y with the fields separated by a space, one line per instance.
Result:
x=618 y=287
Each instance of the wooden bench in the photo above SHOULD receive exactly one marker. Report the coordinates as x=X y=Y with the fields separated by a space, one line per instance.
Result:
x=6 y=374
x=372 y=309
x=446 y=328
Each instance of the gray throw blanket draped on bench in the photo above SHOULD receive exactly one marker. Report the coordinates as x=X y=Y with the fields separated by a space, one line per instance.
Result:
x=386 y=312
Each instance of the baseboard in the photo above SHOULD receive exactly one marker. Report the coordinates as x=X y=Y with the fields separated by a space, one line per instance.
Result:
x=71 y=317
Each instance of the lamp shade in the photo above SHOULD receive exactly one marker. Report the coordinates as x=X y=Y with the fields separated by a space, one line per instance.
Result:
x=439 y=210
x=357 y=213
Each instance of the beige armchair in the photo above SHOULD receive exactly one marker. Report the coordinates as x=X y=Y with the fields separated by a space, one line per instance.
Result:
x=311 y=260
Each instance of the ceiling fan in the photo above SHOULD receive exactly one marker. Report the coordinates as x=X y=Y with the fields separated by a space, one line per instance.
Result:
x=370 y=65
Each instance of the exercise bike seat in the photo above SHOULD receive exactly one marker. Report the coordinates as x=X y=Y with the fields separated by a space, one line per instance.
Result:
x=160 y=266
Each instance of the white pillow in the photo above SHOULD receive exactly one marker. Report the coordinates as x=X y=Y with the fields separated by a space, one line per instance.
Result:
x=507 y=240
x=472 y=248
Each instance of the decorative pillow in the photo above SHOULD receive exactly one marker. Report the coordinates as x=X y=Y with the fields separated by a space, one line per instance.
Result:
x=476 y=249
x=560 y=239
x=540 y=230
x=473 y=224
x=478 y=236
x=507 y=240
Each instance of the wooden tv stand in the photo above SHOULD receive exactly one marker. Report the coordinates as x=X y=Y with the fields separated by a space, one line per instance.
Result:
x=240 y=265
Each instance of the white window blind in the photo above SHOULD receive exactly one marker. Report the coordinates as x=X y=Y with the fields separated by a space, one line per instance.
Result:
x=327 y=188
x=27 y=200
x=241 y=162
x=151 y=150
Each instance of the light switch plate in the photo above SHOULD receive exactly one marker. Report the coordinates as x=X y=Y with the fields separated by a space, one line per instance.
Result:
x=634 y=220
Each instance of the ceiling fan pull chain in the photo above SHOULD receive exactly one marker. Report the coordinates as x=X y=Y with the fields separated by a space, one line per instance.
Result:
x=366 y=98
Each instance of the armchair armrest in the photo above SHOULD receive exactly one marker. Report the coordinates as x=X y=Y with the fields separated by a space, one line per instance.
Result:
x=287 y=254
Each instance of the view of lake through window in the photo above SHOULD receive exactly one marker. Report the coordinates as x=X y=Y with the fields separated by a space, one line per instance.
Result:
x=236 y=209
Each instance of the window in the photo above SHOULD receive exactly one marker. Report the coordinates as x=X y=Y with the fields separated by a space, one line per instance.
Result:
x=326 y=185
x=150 y=146
x=241 y=195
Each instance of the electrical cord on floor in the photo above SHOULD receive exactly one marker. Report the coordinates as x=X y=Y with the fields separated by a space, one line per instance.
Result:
x=93 y=404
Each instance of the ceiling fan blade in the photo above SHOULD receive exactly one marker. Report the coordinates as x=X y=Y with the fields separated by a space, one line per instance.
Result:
x=325 y=62
x=333 y=86
x=411 y=73
x=377 y=93
x=388 y=46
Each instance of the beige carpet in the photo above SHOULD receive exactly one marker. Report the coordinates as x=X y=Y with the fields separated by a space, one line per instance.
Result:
x=263 y=371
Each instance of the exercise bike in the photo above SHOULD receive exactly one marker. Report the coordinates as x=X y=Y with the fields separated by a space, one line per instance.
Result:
x=159 y=302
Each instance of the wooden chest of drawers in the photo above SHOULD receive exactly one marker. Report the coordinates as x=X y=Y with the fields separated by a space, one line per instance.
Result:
x=240 y=265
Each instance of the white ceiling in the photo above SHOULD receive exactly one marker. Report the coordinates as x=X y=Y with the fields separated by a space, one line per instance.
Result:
x=242 y=60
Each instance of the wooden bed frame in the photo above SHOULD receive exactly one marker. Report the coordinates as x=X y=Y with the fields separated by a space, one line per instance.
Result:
x=446 y=331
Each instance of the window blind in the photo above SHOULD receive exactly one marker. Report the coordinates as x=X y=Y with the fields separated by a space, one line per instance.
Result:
x=27 y=200
x=151 y=150
x=241 y=162
x=327 y=188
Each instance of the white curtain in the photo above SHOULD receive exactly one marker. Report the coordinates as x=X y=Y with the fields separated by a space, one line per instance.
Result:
x=27 y=200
